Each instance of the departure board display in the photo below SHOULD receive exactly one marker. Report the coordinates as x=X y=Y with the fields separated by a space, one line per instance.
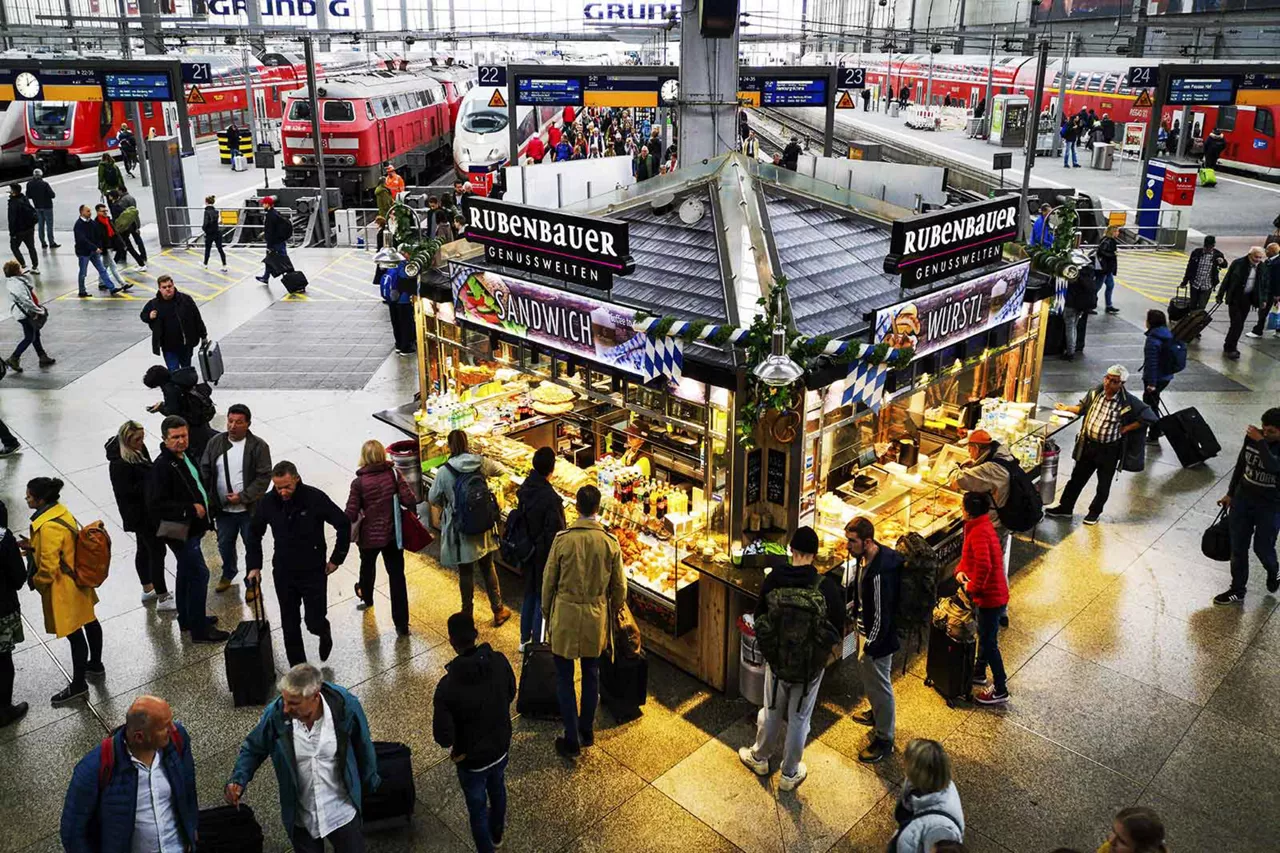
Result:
x=136 y=87
x=549 y=91
x=760 y=91
x=1260 y=81
x=1208 y=91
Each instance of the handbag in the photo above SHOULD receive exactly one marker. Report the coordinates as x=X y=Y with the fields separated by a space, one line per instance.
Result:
x=176 y=531
x=1215 y=544
x=412 y=534
x=1273 y=318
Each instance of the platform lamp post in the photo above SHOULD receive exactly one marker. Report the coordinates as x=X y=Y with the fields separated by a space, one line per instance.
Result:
x=313 y=98
x=1033 y=132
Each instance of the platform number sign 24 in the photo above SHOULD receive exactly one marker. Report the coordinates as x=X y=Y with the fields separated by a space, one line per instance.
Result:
x=1141 y=76
x=852 y=78
x=492 y=75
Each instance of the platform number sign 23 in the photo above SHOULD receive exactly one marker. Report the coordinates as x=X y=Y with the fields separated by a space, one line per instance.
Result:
x=1141 y=76
x=493 y=75
x=852 y=78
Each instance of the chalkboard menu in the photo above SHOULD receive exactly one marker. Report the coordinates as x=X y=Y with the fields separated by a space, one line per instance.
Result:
x=777 y=482
x=755 y=462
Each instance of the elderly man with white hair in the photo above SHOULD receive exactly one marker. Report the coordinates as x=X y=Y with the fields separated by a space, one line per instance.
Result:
x=1110 y=417
x=318 y=739
x=1246 y=286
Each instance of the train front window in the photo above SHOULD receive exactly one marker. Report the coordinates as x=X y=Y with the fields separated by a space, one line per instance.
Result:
x=47 y=116
x=1264 y=124
x=299 y=110
x=338 y=111
x=481 y=119
x=1226 y=119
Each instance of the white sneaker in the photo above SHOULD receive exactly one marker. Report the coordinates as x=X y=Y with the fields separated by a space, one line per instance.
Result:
x=362 y=606
x=1252 y=335
x=149 y=596
x=747 y=757
x=141 y=268
x=35 y=272
x=790 y=783
x=168 y=603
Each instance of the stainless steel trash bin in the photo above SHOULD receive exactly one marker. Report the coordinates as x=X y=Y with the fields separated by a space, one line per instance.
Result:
x=893 y=109
x=1103 y=156
x=404 y=456
x=751 y=671
x=1049 y=472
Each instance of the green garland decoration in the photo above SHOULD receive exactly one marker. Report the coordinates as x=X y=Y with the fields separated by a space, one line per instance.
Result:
x=407 y=238
x=1054 y=260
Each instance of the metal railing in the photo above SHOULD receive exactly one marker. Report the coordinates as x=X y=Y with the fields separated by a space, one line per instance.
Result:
x=240 y=226
x=1168 y=232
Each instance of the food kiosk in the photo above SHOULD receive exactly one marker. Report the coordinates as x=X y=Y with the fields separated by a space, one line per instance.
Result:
x=645 y=388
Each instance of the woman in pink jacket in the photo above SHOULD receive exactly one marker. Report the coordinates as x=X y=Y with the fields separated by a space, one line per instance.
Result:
x=981 y=570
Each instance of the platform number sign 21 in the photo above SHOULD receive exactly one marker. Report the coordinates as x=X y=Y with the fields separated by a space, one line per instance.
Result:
x=493 y=75
x=1141 y=77
x=852 y=78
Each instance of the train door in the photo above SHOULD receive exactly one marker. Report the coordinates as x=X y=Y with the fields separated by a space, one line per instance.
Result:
x=383 y=112
x=260 y=110
x=169 y=111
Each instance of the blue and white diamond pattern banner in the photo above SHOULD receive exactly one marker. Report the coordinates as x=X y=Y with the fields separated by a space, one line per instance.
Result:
x=663 y=357
x=866 y=385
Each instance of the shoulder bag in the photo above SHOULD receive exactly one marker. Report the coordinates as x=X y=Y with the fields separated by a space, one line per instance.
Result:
x=411 y=534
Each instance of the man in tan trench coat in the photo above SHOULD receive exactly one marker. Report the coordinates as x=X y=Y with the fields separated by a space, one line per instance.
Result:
x=582 y=587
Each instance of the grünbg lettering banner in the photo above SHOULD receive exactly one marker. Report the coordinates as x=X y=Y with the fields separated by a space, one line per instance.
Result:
x=944 y=317
x=559 y=320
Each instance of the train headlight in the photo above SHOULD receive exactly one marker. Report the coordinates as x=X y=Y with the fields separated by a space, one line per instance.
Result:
x=494 y=153
x=297 y=159
x=350 y=159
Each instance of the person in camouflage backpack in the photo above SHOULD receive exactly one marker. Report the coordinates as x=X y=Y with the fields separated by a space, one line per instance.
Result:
x=796 y=621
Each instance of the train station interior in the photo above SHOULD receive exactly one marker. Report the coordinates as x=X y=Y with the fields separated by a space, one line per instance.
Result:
x=747 y=268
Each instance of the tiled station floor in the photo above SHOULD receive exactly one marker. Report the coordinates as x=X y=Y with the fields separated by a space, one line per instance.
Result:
x=1128 y=685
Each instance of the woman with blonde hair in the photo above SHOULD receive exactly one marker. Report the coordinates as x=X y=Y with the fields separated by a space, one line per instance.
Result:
x=130 y=466
x=68 y=607
x=371 y=508
x=928 y=809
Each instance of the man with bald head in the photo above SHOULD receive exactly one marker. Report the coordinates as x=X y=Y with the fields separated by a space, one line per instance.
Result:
x=136 y=791
x=1246 y=286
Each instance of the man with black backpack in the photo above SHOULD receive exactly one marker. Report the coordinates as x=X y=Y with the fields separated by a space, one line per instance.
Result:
x=527 y=537
x=876 y=590
x=276 y=232
x=993 y=471
x=796 y=621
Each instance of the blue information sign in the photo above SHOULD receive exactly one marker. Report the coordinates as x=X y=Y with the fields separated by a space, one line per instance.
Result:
x=794 y=92
x=1210 y=91
x=549 y=91
x=136 y=87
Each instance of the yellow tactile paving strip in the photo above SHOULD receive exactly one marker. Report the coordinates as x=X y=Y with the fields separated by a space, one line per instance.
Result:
x=1155 y=275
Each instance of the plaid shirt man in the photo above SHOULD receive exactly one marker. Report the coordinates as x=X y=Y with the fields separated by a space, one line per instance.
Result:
x=1102 y=421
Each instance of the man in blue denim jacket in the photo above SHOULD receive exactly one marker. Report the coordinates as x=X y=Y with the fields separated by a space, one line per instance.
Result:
x=318 y=739
x=151 y=751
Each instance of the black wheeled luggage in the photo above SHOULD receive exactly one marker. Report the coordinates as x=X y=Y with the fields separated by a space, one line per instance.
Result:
x=1192 y=324
x=228 y=829
x=1179 y=304
x=1191 y=438
x=396 y=795
x=537 y=694
x=294 y=281
x=624 y=685
x=949 y=667
x=251 y=667
x=277 y=264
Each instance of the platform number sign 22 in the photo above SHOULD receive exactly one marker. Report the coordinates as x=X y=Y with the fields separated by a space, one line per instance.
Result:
x=493 y=75
x=852 y=78
x=1141 y=76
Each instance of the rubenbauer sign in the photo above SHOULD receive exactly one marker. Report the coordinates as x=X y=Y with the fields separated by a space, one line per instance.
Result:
x=578 y=249
x=935 y=245
x=557 y=319
x=936 y=320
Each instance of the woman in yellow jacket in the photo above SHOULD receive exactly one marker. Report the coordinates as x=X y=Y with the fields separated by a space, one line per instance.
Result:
x=68 y=607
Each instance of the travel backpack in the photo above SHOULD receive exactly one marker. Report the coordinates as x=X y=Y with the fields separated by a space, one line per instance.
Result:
x=1173 y=356
x=475 y=509
x=202 y=408
x=127 y=220
x=517 y=546
x=794 y=634
x=92 y=559
x=1023 y=508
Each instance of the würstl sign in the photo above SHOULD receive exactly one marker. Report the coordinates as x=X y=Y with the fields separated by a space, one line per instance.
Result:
x=935 y=245
x=576 y=249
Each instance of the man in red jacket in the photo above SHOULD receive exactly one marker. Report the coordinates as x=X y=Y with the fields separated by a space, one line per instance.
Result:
x=981 y=570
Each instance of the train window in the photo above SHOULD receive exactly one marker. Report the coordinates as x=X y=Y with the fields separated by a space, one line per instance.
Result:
x=479 y=117
x=106 y=118
x=1226 y=119
x=1264 y=123
x=386 y=108
x=338 y=111
x=395 y=105
x=1110 y=83
x=299 y=110
x=1095 y=82
x=148 y=109
x=368 y=108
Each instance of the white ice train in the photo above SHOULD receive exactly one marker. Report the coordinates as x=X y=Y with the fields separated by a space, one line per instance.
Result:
x=481 y=140
x=13 y=128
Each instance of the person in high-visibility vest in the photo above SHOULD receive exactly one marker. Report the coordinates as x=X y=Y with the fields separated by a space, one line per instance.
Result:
x=395 y=183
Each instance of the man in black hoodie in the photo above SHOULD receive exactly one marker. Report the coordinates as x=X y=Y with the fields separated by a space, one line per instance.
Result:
x=789 y=597
x=1253 y=507
x=875 y=600
x=22 y=227
x=175 y=494
x=543 y=511
x=472 y=719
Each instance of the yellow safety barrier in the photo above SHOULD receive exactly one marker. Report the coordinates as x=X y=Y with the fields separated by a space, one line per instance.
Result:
x=229 y=217
x=224 y=151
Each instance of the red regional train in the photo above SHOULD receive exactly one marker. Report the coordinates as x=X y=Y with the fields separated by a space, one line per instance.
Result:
x=62 y=134
x=1249 y=127
x=366 y=123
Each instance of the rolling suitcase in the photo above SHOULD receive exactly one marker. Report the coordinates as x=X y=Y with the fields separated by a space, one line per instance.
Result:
x=277 y=264
x=211 y=362
x=1208 y=177
x=396 y=795
x=536 y=697
x=1191 y=438
x=1180 y=304
x=1192 y=324
x=251 y=669
x=228 y=829
x=949 y=667
x=294 y=281
x=239 y=163
x=624 y=685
